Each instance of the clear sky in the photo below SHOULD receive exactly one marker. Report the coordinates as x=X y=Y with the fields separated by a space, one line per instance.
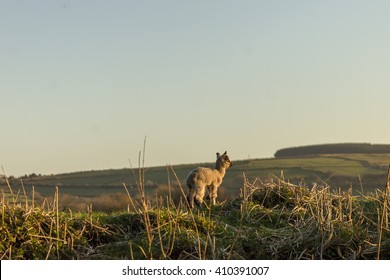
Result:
x=83 y=82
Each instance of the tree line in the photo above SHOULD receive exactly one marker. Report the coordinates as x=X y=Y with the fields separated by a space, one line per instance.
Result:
x=342 y=148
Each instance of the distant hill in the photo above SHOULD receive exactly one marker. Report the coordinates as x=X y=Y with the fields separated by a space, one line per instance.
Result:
x=359 y=170
x=341 y=148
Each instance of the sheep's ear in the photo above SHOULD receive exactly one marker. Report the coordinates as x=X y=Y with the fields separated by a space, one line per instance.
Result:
x=225 y=153
x=218 y=155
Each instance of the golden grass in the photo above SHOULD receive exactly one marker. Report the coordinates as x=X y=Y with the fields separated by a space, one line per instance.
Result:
x=269 y=220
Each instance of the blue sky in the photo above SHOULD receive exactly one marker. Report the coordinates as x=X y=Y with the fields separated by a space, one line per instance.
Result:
x=83 y=82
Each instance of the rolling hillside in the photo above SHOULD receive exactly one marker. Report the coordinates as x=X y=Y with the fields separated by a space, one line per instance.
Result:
x=361 y=171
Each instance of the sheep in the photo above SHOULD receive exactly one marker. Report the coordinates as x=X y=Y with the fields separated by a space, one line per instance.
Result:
x=201 y=178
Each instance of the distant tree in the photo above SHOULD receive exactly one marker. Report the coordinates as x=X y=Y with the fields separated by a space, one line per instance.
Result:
x=32 y=175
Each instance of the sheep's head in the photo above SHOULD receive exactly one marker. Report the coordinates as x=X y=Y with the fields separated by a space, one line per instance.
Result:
x=223 y=160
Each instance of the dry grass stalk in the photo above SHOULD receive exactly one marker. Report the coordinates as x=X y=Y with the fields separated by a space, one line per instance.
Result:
x=2 y=207
x=8 y=184
x=140 y=182
x=384 y=215
x=33 y=197
x=199 y=248
x=25 y=195
x=130 y=199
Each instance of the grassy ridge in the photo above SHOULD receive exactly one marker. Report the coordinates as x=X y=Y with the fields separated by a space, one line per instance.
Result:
x=273 y=220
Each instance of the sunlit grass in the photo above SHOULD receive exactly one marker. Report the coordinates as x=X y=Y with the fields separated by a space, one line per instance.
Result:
x=268 y=220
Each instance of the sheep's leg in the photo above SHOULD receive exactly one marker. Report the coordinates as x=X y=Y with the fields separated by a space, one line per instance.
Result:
x=191 y=197
x=200 y=195
x=213 y=194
